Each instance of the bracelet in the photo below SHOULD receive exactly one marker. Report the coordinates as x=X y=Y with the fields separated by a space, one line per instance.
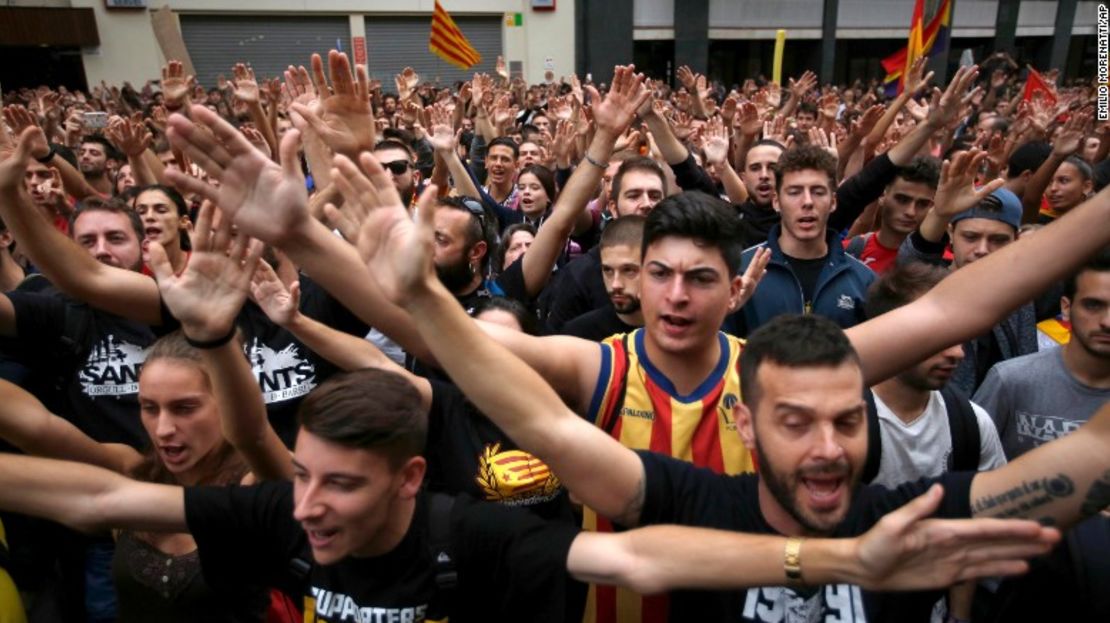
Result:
x=211 y=344
x=49 y=155
x=792 y=559
x=600 y=165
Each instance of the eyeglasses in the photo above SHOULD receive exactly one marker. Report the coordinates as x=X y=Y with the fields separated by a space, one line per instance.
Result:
x=397 y=167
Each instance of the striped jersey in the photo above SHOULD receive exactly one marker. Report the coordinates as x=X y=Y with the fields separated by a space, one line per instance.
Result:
x=635 y=403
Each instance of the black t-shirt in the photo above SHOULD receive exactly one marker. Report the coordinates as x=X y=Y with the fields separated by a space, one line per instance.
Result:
x=597 y=325
x=510 y=564
x=286 y=370
x=88 y=359
x=467 y=453
x=680 y=493
x=577 y=289
x=808 y=273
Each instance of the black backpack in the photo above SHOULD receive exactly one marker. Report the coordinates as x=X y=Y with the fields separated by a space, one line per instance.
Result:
x=962 y=423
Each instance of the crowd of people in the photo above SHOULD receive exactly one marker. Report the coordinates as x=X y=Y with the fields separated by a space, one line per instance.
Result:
x=315 y=348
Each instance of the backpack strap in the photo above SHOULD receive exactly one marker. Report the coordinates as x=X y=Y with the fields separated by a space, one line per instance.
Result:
x=964 y=426
x=439 y=542
x=609 y=417
x=874 y=439
x=857 y=244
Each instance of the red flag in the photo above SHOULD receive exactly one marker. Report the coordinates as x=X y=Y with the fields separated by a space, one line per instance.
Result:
x=1034 y=83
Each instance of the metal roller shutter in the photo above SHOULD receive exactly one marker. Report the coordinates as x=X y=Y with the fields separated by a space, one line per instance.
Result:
x=269 y=43
x=393 y=43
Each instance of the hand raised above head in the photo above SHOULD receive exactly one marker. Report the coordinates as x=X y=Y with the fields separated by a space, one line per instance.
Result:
x=265 y=200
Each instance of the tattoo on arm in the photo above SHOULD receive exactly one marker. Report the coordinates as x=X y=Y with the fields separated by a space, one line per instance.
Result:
x=1024 y=499
x=1098 y=497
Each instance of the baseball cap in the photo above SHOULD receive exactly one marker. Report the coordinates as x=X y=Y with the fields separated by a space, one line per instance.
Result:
x=1001 y=205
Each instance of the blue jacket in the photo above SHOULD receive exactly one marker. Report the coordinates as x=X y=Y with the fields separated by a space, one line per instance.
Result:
x=839 y=296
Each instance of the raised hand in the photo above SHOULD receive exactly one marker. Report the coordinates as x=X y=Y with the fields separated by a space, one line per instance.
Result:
x=916 y=79
x=342 y=117
x=176 y=86
x=716 y=141
x=244 y=84
x=298 y=86
x=945 y=108
x=729 y=108
x=868 y=119
x=19 y=119
x=563 y=142
x=265 y=200
x=803 y=85
x=441 y=135
x=501 y=69
x=130 y=136
x=687 y=77
x=1071 y=135
x=824 y=140
x=829 y=104
x=956 y=190
x=397 y=250
x=406 y=82
x=755 y=272
x=208 y=294
x=907 y=551
x=15 y=157
x=748 y=120
x=281 y=304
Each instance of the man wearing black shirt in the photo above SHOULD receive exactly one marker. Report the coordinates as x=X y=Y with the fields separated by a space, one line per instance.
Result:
x=802 y=414
x=620 y=269
x=354 y=538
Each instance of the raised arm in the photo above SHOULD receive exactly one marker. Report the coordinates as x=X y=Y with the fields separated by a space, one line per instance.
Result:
x=1059 y=483
x=68 y=266
x=601 y=472
x=1065 y=144
x=86 y=497
x=267 y=201
x=904 y=551
x=977 y=296
x=612 y=116
x=206 y=297
x=28 y=425
x=348 y=352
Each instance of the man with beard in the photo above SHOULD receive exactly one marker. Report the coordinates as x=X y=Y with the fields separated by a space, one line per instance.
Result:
x=95 y=355
x=637 y=185
x=1041 y=396
x=620 y=269
x=809 y=270
x=903 y=205
x=801 y=414
x=92 y=159
x=691 y=281
x=399 y=159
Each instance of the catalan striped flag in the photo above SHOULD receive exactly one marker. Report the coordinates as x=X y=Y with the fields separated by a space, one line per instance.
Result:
x=928 y=40
x=448 y=42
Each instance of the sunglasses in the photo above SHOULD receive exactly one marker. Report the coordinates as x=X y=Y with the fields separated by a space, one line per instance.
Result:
x=397 y=167
x=476 y=209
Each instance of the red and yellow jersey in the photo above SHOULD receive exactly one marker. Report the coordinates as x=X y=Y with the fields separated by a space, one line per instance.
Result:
x=640 y=407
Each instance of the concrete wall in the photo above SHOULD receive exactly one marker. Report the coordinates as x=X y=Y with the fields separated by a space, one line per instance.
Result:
x=129 y=51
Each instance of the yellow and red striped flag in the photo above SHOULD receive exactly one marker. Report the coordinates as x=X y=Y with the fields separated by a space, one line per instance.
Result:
x=448 y=42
